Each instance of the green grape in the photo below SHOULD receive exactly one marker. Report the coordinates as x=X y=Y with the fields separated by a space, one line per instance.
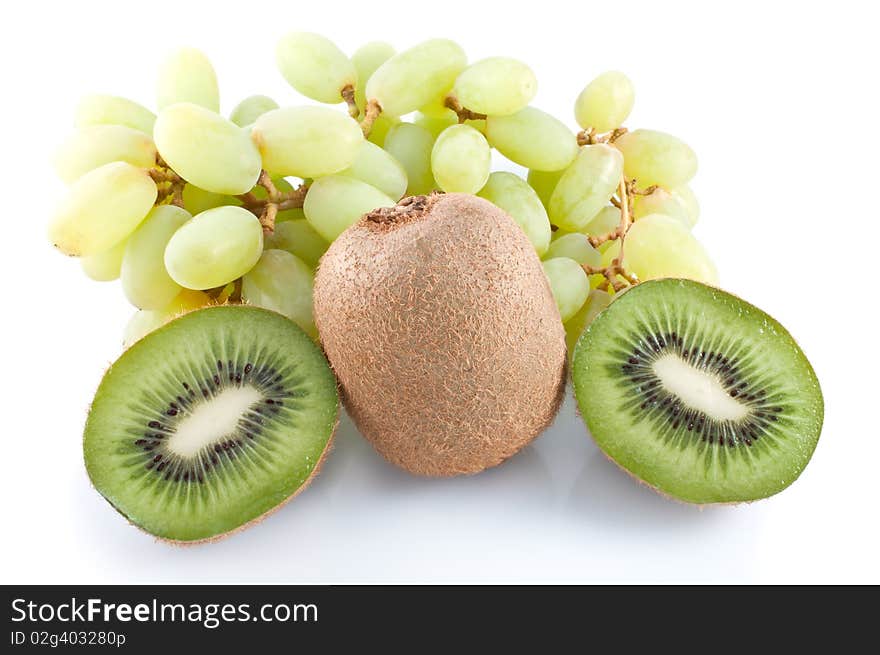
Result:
x=206 y=149
x=314 y=66
x=437 y=108
x=597 y=280
x=576 y=246
x=280 y=183
x=411 y=145
x=436 y=123
x=145 y=281
x=586 y=186
x=569 y=285
x=512 y=194
x=497 y=86
x=292 y=214
x=575 y=326
x=544 y=182
x=145 y=321
x=214 y=248
x=284 y=186
x=187 y=75
x=379 y=169
x=661 y=201
x=461 y=160
x=250 y=109
x=658 y=246
x=197 y=200
x=685 y=195
x=104 y=266
x=283 y=283
x=381 y=127
x=605 y=102
x=333 y=203
x=96 y=145
x=533 y=138
x=113 y=110
x=298 y=238
x=102 y=208
x=416 y=77
x=605 y=221
x=652 y=157
x=609 y=254
x=366 y=60
x=307 y=141
x=478 y=124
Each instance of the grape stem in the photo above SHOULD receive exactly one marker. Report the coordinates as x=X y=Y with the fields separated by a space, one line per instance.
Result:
x=348 y=95
x=267 y=218
x=371 y=113
x=161 y=176
x=228 y=293
x=616 y=276
x=267 y=209
x=589 y=136
x=647 y=191
x=272 y=192
x=235 y=296
x=463 y=113
x=615 y=271
x=169 y=184
x=633 y=191
x=249 y=199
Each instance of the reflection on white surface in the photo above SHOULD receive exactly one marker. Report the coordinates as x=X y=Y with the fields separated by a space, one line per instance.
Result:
x=556 y=511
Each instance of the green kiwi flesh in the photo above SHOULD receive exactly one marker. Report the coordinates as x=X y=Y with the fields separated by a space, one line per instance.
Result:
x=697 y=393
x=210 y=422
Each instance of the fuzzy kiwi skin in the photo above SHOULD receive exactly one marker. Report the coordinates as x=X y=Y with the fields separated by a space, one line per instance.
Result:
x=441 y=328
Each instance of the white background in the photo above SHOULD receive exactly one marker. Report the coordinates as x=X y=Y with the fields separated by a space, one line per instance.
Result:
x=778 y=99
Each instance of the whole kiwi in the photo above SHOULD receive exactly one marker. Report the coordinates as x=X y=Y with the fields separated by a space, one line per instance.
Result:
x=439 y=323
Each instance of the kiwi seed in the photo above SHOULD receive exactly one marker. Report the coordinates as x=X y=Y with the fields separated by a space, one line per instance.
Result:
x=697 y=393
x=210 y=422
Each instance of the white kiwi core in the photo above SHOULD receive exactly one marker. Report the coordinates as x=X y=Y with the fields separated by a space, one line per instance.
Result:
x=212 y=420
x=698 y=389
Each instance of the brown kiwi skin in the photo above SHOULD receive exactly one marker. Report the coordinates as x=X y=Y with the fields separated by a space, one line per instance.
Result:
x=440 y=325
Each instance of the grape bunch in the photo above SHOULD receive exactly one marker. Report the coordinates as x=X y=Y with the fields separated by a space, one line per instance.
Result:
x=188 y=208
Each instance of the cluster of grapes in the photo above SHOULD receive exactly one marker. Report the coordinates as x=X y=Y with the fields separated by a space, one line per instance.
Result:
x=189 y=208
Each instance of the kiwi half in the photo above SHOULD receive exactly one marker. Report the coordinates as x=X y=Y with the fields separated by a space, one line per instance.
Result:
x=210 y=422
x=697 y=393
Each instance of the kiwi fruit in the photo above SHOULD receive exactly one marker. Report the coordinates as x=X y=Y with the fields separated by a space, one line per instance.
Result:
x=697 y=393
x=443 y=333
x=211 y=422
